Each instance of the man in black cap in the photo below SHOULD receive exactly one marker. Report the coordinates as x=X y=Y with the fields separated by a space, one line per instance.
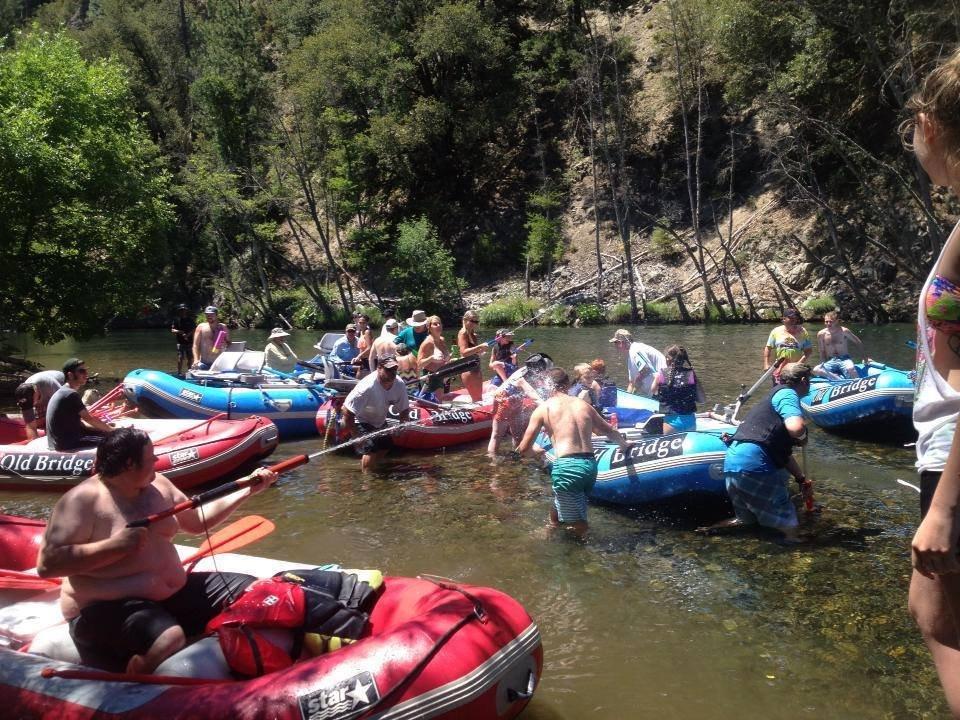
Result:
x=69 y=424
x=366 y=408
x=183 y=327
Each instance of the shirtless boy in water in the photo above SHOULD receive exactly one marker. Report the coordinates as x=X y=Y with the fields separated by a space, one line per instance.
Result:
x=832 y=342
x=128 y=599
x=570 y=422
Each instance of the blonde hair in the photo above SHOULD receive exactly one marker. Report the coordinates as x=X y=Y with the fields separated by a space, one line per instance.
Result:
x=831 y=315
x=434 y=319
x=938 y=97
x=580 y=370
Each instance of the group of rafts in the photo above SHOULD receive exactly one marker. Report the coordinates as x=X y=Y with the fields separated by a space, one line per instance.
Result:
x=430 y=648
x=486 y=668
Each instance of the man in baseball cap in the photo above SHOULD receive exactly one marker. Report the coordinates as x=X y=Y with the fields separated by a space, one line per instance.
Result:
x=69 y=424
x=643 y=362
x=209 y=338
x=366 y=407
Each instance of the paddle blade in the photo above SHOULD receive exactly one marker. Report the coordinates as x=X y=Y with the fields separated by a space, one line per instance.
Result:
x=234 y=536
x=16 y=580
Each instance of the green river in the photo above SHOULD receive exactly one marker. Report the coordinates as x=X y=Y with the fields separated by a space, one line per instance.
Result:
x=643 y=619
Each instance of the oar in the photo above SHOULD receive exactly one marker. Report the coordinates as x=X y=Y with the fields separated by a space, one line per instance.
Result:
x=529 y=320
x=280 y=467
x=806 y=489
x=744 y=396
x=451 y=368
x=437 y=406
x=234 y=536
x=16 y=580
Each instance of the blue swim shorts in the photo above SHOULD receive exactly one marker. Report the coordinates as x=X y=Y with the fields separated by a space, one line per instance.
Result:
x=761 y=498
x=681 y=422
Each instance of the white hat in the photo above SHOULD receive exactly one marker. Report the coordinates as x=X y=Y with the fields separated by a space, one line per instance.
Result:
x=278 y=333
x=418 y=319
x=621 y=335
x=391 y=324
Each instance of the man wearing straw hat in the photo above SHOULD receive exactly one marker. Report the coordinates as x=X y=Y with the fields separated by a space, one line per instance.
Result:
x=643 y=362
x=277 y=355
x=415 y=332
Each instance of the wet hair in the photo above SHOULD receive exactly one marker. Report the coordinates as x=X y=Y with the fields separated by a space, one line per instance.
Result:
x=557 y=377
x=795 y=373
x=23 y=395
x=939 y=98
x=831 y=315
x=121 y=450
x=599 y=366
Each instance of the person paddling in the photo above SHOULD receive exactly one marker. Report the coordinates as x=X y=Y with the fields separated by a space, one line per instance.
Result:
x=129 y=602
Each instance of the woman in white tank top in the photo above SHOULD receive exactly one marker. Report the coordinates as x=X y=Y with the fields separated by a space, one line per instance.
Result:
x=935 y=584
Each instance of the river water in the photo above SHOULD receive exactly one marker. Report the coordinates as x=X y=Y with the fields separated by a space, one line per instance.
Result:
x=644 y=618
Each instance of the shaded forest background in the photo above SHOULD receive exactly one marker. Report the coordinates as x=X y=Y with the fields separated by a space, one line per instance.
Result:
x=302 y=157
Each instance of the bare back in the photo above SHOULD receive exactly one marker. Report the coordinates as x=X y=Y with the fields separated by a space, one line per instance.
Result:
x=570 y=422
x=91 y=512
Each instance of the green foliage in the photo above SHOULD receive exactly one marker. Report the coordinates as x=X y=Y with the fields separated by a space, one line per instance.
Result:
x=509 y=311
x=376 y=317
x=544 y=230
x=560 y=315
x=664 y=245
x=817 y=305
x=422 y=269
x=663 y=311
x=82 y=200
x=590 y=314
x=619 y=313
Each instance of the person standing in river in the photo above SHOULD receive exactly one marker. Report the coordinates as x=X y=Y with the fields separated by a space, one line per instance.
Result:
x=470 y=345
x=643 y=362
x=934 y=598
x=183 y=326
x=570 y=422
x=787 y=343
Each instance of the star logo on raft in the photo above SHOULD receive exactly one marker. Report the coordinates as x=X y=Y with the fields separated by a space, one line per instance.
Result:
x=341 y=701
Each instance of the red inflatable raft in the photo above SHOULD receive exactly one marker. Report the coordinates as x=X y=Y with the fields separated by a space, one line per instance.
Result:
x=431 y=650
x=189 y=453
x=431 y=427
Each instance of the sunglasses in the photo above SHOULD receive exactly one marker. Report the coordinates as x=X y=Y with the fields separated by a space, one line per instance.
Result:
x=471 y=320
x=351 y=331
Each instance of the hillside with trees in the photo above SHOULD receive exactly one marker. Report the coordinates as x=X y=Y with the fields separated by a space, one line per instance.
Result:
x=681 y=158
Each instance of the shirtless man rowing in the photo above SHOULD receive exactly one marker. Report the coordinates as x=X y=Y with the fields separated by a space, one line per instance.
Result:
x=833 y=344
x=127 y=597
x=570 y=422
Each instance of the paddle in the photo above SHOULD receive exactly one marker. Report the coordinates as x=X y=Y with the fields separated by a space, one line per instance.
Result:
x=745 y=395
x=540 y=312
x=234 y=536
x=451 y=368
x=806 y=487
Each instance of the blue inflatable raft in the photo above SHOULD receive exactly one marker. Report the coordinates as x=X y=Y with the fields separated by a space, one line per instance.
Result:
x=660 y=467
x=290 y=405
x=879 y=403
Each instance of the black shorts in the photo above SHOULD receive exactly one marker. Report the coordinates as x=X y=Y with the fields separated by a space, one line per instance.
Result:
x=108 y=633
x=928 y=484
x=184 y=351
x=377 y=444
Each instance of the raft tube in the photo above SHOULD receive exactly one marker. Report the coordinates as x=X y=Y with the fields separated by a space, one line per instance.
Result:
x=432 y=649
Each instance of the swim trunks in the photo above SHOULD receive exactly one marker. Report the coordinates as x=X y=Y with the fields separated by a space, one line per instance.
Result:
x=573 y=477
x=761 y=498
x=109 y=632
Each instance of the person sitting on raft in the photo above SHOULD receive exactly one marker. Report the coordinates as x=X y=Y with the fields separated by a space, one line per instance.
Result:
x=365 y=409
x=69 y=424
x=503 y=357
x=570 y=425
x=833 y=344
x=128 y=599
x=585 y=385
x=415 y=332
x=277 y=355
x=760 y=451
x=383 y=344
x=406 y=365
x=345 y=351
x=32 y=397
x=679 y=391
x=434 y=354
